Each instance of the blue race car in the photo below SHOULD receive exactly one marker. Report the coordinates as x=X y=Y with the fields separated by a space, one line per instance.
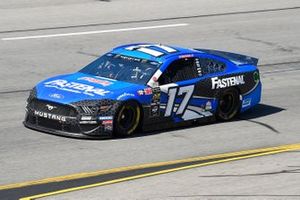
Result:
x=144 y=86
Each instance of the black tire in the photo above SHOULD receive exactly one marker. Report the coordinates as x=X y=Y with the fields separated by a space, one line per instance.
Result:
x=228 y=104
x=127 y=119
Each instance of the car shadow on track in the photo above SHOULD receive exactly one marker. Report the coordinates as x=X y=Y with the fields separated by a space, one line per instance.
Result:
x=261 y=110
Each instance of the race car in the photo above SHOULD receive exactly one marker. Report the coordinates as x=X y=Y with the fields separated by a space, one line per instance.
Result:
x=144 y=86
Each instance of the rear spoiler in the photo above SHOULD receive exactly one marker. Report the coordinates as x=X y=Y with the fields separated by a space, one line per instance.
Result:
x=237 y=59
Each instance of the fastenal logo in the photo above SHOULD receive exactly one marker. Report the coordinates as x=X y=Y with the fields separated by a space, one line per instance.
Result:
x=50 y=107
x=227 y=82
x=74 y=87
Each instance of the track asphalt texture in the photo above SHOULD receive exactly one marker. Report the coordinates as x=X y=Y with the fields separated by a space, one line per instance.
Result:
x=59 y=185
x=271 y=35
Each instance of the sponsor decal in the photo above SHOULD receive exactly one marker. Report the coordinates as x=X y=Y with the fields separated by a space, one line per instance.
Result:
x=246 y=102
x=129 y=58
x=156 y=98
x=74 y=87
x=97 y=81
x=56 y=96
x=198 y=67
x=105 y=118
x=125 y=95
x=106 y=122
x=154 y=110
x=155 y=103
x=140 y=92
x=108 y=128
x=148 y=91
x=256 y=77
x=208 y=105
x=218 y=83
x=156 y=95
x=50 y=107
x=108 y=125
x=88 y=122
x=50 y=116
x=86 y=118
x=186 y=56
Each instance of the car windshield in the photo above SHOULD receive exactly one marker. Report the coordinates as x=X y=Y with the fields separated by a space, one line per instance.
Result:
x=122 y=68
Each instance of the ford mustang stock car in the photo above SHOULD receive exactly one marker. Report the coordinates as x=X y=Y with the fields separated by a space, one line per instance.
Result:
x=144 y=86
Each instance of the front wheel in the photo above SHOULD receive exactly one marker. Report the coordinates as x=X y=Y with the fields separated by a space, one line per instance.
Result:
x=229 y=104
x=127 y=119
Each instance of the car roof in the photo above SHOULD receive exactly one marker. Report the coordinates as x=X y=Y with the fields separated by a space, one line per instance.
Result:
x=152 y=51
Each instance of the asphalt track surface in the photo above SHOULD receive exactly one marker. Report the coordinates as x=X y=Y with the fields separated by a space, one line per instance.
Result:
x=265 y=29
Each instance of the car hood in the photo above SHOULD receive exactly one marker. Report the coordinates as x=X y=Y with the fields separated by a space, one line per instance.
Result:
x=75 y=87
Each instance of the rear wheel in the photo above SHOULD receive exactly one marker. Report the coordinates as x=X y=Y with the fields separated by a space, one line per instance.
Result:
x=127 y=119
x=229 y=104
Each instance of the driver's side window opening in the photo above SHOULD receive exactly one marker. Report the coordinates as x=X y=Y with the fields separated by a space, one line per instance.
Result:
x=179 y=70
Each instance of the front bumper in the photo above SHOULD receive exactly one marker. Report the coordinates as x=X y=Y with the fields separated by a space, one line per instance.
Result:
x=67 y=120
x=74 y=129
x=64 y=133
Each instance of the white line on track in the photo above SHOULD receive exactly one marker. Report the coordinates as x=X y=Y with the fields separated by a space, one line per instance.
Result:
x=279 y=70
x=95 y=32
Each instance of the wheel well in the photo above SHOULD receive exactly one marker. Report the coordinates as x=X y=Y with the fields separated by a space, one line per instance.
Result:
x=141 y=110
x=221 y=91
x=224 y=92
x=137 y=126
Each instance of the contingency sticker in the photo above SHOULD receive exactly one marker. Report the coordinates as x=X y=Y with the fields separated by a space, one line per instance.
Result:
x=155 y=102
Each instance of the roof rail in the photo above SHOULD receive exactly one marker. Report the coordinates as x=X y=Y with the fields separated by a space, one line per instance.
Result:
x=155 y=50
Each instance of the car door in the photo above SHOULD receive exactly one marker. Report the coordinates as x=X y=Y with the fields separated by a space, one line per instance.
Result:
x=177 y=85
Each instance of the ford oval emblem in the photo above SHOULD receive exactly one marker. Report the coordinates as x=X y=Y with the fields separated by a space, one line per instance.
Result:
x=56 y=96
